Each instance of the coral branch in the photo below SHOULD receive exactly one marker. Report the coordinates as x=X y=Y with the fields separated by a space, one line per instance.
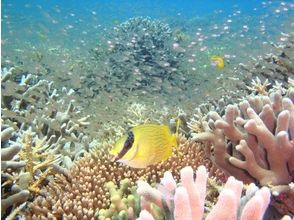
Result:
x=182 y=205
x=6 y=134
x=189 y=199
x=258 y=203
x=262 y=132
x=15 y=199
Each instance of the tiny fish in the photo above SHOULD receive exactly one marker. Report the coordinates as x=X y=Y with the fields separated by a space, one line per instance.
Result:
x=145 y=145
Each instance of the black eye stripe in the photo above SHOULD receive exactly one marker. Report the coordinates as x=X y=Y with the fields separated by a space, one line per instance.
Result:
x=127 y=145
x=130 y=140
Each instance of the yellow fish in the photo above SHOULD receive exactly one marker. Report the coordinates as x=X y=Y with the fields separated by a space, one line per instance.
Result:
x=145 y=145
x=218 y=61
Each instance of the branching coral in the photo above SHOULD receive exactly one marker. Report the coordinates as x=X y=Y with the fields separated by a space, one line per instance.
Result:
x=24 y=169
x=187 y=201
x=36 y=105
x=124 y=207
x=253 y=141
x=38 y=129
x=17 y=195
x=258 y=87
x=262 y=131
x=85 y=193
x=39 y=161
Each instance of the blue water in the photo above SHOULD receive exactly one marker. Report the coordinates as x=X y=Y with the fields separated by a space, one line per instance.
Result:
x=65 y=21
x=63 y=32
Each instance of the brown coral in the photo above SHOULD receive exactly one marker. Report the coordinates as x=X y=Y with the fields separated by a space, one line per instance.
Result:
x=84 y=194
x=261 y=130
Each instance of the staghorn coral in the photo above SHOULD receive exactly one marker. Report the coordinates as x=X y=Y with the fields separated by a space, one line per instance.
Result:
x=35 y=121
x=39 y=161
x=17 y=195
x=139 y=113
x=29 y=103
x=85 y=193
x=25 y=166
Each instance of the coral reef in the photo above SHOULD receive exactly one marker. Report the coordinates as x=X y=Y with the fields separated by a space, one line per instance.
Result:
x=137 y=113
x=124 y=208
x=253 y=141
x=84 y=193
x=39 y=134
x=47 y=172
x=187 y=201
x=261 y=130
x=140 y=56
x=274 y=67
x=283 y=199
x=17 y=195
x=29 y=103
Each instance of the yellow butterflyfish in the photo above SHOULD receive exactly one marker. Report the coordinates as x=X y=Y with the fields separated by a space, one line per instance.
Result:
x=145 y=145
x=218 y=61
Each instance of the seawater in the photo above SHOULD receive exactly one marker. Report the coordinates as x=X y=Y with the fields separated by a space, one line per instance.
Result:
x=56 y=39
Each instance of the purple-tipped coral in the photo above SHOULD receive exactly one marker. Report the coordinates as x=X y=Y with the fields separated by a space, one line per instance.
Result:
x=187 y=202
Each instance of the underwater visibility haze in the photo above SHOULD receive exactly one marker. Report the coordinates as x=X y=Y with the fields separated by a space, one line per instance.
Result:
x=147 y=109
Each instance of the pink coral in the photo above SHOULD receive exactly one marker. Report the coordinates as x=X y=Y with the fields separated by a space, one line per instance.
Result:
x=189 y=198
